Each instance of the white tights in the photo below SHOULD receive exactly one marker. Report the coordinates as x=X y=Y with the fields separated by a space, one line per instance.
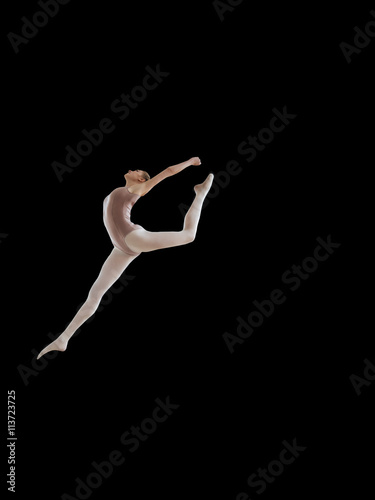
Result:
x=139 y=240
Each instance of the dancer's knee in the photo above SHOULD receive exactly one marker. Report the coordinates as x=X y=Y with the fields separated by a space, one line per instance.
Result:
x=92 y=303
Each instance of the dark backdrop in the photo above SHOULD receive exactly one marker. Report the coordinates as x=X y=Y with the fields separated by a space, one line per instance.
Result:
x=163 y=333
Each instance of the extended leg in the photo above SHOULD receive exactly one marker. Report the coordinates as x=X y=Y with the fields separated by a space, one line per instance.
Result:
x=147 y=241
x=111 y=271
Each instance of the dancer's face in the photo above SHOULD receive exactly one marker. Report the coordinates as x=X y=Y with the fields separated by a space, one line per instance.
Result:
x=134 y=176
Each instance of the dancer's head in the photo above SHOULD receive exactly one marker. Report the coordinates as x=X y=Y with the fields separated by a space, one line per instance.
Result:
x=137 y=176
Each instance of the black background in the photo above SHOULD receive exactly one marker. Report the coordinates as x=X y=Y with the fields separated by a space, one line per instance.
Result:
x=163 y=334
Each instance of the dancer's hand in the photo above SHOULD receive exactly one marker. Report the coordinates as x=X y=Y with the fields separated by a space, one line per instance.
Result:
x=195 y=161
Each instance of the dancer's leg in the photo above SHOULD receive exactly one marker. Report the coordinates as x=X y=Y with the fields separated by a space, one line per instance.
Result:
x=111 y=271
x=147 y=241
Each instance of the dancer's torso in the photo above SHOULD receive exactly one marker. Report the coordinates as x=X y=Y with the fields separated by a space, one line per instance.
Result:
x=117 y=208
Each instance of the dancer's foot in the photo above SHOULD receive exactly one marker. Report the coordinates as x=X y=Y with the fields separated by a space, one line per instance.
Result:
x=205 y=186
x=57 y=345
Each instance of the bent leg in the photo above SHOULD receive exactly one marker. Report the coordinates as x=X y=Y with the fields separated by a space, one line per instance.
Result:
x=112 y=269
x=141 y=240
x=147 y=241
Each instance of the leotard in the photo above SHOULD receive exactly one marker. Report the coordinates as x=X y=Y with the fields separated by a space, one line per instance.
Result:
x=117 y=208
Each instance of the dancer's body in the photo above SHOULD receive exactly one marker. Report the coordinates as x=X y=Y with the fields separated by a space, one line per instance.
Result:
x=129 y=240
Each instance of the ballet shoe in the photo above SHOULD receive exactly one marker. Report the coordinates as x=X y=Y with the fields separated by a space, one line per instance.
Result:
x=205 y=186
x=56 y=345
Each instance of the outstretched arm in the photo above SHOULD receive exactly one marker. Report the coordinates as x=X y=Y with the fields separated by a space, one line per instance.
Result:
x=175 y=169
x=168 y=172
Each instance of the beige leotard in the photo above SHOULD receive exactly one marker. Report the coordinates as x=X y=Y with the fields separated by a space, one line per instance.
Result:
x=117 y=208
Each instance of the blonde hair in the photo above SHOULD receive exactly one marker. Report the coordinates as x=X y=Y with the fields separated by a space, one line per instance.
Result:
x=145 y=175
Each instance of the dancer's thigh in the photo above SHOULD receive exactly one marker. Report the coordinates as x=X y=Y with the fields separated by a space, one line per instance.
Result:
x=113 y=267
x=142 y=240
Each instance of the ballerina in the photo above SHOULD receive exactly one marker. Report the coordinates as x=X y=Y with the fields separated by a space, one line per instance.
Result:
x=130 y=240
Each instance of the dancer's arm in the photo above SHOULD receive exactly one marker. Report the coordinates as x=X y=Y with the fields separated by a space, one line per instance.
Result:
x=175 y=169
x=168 y=172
